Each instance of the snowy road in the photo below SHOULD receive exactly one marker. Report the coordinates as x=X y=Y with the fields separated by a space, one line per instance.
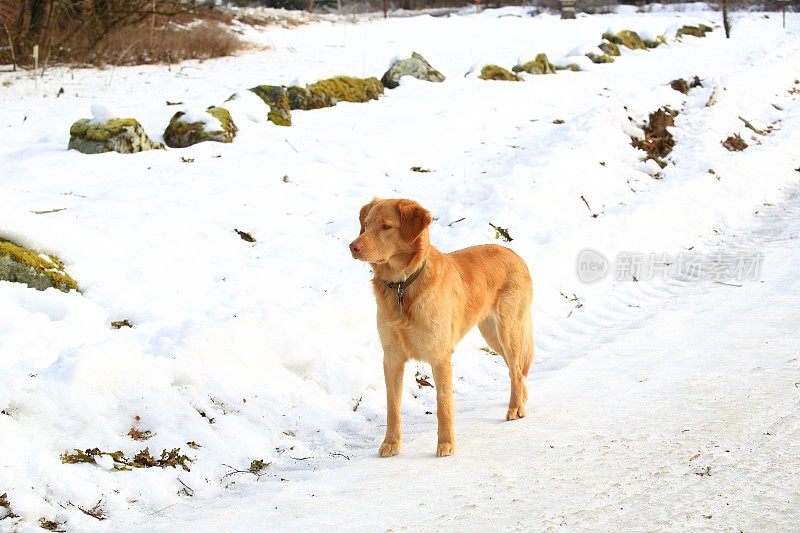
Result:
x=689 y=419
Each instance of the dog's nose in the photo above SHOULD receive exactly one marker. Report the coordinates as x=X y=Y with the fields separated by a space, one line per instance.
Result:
x=354 y=247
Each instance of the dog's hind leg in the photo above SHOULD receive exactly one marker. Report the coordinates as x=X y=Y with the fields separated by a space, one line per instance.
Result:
x=514 y=334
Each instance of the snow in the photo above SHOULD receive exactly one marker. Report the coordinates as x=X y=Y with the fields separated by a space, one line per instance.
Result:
x=275 y=340
x=102 y=112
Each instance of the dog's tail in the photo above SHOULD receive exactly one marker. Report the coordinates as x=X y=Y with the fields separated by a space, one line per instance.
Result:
x=527 y=344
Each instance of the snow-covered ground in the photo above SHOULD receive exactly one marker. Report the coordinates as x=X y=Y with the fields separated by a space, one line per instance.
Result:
x=269 y=351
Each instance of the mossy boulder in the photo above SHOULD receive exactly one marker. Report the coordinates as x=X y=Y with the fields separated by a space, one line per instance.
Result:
x=539 y=65
x=609 y=48
x=627 y=38
x=277 y=99
x=416 y=66
x=574 y=67
x=494 y=72
x=184 y=131
x=695 y=31
x=654 y=43
x=123 y=135
x=327 y=93
x=600 y=58
x=36 y=270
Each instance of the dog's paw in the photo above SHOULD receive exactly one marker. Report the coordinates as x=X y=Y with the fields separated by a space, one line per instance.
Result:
x=443 y=449
x=388 y=449
x=515 y=412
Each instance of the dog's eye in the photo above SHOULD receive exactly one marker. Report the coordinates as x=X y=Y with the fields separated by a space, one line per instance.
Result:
x=385 y=227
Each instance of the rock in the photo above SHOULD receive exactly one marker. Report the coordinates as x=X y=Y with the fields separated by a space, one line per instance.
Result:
x=658 y=41
x=600 y=58
x=277 y=99
x=574 y=67
x=123 y=135
x=540 y=65
x=494 y=72
x=627 y=38
x=695 y=31
x=416 y=67
x=327 y=93
x=609 y=48
x=185 y=130
x=38 y=271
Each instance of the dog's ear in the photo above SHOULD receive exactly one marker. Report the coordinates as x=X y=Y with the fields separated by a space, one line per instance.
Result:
x=413 y=219
x=362 y=215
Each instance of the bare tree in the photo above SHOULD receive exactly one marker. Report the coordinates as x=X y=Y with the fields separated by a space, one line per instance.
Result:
x=725 y=20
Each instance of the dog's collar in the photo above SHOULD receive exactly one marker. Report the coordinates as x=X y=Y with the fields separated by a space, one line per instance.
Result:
x=401 y=286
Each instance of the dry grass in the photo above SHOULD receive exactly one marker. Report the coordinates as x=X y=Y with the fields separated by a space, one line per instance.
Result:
x=141 y=44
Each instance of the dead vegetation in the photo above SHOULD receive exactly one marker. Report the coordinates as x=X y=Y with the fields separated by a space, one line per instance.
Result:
x=5 y=507
x=143 y=459
x=683 y=86
x=501 y=233
x=51 y=525
x=95 y=512
x=657 y=141
x=734 y=143
x=112 y=32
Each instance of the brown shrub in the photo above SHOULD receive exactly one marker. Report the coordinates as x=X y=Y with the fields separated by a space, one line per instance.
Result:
x=139 y=44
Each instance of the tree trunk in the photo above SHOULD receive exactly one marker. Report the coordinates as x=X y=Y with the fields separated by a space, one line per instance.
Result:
x=725 y=21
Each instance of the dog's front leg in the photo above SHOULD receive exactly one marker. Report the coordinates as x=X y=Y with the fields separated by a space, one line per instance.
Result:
x=393 y=367
x=445 y=411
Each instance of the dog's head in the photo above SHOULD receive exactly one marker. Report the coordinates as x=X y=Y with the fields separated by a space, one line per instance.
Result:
x=390 y=228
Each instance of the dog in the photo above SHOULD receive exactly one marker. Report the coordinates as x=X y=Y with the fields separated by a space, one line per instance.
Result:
x=427 y=301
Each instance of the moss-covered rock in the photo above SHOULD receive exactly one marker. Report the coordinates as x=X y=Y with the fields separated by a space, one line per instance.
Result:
x=539 y=65
x=277 y=99
x=494 y=72
x=609 y=48
x=218 y=127
x=574 y=67
x=600 y=58
x=627 y=38
x=36 y=270
x=327 y=93
x=123 y=135
x=416 y=66
x=696 y=31
x=658 y=41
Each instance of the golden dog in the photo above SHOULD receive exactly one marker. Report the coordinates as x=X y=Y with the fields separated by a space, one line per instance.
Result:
x=428 y=300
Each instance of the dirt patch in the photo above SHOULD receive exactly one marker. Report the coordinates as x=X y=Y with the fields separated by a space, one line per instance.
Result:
x=657 y=141
x=682 y=86
x=734 y=143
